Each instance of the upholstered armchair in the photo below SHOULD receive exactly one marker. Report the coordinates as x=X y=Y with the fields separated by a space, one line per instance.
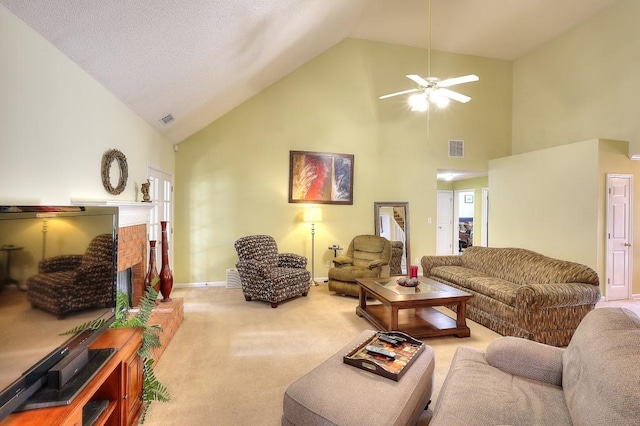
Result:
x=368 y=256
x=69 y=283
x=395 y=264
x=268 y=275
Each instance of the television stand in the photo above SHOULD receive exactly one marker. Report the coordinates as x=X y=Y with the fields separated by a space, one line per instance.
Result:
x=48 y=397
x=117 y=384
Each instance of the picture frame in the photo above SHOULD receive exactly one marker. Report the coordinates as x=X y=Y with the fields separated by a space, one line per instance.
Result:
x=468 y=198
x=320 y=177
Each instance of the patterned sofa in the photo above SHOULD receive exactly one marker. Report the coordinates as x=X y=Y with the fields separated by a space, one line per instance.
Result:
x=517 y=292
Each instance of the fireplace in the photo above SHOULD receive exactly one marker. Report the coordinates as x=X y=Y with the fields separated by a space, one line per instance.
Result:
x=132 y=252
x=133 y=218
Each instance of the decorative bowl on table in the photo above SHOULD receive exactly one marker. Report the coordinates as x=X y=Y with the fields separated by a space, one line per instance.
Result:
x=408 y=282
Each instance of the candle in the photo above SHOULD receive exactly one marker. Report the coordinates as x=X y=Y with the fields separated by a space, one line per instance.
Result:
x=413 y=271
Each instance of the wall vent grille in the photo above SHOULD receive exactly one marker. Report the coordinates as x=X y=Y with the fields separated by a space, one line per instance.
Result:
x=167 y=119
x=233 y=278
x=456 y=148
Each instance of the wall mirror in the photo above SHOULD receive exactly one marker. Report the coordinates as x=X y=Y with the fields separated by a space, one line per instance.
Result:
x=392 y=222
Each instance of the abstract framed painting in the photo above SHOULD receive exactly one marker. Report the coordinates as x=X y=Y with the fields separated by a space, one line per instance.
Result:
x=320 y=178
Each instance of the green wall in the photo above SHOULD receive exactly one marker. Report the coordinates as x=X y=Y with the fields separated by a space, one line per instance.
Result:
x=232 y=177
x=581 y=85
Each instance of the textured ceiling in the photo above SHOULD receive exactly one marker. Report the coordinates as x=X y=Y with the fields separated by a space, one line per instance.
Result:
x=198 y=59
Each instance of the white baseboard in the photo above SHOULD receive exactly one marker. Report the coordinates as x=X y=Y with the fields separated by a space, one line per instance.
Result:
x=203 y=284
x=319 y=280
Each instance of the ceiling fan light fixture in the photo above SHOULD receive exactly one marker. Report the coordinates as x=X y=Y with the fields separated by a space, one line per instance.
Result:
x=419 y=102
x=431 y=88
x=440 y=100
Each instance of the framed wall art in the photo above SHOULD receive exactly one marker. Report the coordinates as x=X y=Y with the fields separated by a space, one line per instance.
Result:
x=320 y=178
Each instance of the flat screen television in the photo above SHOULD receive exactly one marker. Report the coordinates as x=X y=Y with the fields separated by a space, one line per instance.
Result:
x=58 y=268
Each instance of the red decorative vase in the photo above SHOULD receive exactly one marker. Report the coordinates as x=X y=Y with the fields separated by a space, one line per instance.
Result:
x=153 y=270
x=166 y=277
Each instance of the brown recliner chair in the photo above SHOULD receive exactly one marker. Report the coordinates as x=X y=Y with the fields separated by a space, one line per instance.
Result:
x=368 y=256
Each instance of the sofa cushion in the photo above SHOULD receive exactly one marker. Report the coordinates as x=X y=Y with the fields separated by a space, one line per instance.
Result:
x=478 y=281
x=475 y=393
x=523 y=266
x=601 y=369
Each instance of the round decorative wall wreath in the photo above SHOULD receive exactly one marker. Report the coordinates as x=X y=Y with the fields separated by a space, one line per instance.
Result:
x=107 y=159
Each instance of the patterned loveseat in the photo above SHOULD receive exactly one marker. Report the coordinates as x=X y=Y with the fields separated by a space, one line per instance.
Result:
x=518 y=292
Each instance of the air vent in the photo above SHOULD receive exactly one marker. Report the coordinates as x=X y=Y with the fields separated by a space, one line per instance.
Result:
x=456 y=148
x=233 y=278
x=166 y=119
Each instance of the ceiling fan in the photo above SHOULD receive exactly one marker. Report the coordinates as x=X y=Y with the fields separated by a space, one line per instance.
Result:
x=432 y=88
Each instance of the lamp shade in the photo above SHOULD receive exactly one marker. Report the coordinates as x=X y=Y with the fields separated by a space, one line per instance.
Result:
x=313 y=214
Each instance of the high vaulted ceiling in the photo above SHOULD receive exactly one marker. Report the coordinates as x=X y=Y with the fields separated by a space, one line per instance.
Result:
x=198 y=59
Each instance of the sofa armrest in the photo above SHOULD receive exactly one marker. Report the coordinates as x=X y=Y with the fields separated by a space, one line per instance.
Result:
x=556 y=295
x=342 y=260
x=376 y=263
x=526 y=358
x=429 y=262
x=252 y=272
x=292 y=260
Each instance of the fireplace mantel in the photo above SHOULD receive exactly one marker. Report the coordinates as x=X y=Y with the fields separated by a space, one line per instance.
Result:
x=129 y=212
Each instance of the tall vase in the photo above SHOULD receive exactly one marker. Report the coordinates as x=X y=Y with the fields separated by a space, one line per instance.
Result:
x=166 y=277
x=152 y=274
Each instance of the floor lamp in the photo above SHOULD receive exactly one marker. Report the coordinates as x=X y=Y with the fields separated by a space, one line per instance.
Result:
x=313 y=215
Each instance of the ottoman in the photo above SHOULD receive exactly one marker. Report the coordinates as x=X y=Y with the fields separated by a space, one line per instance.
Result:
x=335 y=393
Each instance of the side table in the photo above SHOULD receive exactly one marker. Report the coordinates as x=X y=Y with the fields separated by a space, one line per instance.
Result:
x=7 y=278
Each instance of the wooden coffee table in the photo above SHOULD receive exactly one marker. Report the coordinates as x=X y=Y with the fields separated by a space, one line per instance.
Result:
x=410 y=309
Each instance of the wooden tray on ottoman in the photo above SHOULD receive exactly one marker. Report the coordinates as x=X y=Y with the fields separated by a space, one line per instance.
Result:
x=406 y=351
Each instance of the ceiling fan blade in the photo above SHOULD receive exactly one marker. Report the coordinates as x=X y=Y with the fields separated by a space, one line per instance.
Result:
x=399 y=93
x=417 y=79
x=458 y=80
x=454 y=95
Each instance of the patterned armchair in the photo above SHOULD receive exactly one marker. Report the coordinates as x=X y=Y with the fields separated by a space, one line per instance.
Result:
x=268 y=275
x=69 y=283
x=368 y=256
x=395 y=264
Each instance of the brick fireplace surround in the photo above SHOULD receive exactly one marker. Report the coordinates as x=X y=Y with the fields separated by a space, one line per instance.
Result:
x=132 y=252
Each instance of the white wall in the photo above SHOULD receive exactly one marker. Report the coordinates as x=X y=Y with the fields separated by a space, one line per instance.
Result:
x=56 y=122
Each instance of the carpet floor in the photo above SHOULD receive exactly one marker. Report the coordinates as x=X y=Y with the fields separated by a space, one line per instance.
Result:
x=231 y=360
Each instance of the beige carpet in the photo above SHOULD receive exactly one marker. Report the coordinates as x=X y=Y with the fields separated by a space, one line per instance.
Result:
x=231 y=360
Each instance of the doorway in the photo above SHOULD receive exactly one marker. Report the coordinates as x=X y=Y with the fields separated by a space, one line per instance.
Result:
x=464 y=208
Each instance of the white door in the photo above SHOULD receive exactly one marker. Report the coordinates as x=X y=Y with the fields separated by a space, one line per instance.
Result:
x=619 y=223
x=444 y=222
x=161 y=192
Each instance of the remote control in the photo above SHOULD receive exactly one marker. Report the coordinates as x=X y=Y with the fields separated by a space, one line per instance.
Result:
x=395 y=337
x=389 y=339
x=381 y=351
